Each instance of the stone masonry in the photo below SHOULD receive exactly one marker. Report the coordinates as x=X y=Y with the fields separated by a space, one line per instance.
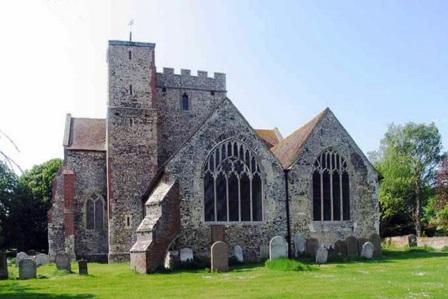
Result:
x=136 y=178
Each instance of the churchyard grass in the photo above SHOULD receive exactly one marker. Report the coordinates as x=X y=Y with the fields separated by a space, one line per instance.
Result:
x=412 y=273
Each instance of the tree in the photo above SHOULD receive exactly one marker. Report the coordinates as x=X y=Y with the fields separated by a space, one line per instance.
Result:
x=408 y=157
x=8 y=184
x=27 y=223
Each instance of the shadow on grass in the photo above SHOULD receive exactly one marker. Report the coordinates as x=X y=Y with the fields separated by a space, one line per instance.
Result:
x=15 y=291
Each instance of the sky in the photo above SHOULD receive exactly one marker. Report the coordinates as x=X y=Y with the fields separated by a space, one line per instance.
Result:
x=372 y=62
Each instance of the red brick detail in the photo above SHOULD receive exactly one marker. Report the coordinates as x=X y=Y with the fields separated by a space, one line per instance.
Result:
x=69 y=199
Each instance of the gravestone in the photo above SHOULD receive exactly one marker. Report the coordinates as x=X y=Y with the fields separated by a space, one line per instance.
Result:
x=170 y=259
x=412 y=240
x=82 y=267
x=3 y=265
x=220 y=257
x=361 y=242
x=42 y=259
x=299 y=245
x=312 y=245
x=278 y=248
x=63 y=262
x=27 y=269
x=322 y=255
x=186 y=255
x=367 y=250
x=352 y=246
x=238 y=253
x=376 y=241
x=20 y=256
x=340 y=248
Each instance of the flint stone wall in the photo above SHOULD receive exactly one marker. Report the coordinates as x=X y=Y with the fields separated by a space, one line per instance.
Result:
x=187 y=167
x=364 y=208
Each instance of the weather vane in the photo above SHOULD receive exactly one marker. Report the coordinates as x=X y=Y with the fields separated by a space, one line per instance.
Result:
x=131 y=22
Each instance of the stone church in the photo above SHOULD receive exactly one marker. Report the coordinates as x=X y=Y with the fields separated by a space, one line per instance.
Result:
x=175 y=165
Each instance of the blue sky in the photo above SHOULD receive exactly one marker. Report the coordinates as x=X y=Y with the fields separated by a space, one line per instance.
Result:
x=371 y=62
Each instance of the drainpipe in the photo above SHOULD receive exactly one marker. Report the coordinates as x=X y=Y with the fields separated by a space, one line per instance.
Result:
x=288 y=228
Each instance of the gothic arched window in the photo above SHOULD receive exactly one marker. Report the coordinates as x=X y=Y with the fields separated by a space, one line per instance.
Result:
x=185 y=102
x=331 y=188
x=95 y=209
x=232 y=185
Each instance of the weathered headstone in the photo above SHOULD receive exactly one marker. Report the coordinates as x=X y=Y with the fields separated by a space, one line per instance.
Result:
x=238 y=253
x=340 y=248
x=171 y=258
x=278 y=248
x=376 y=241
x=412 y=240
x=82 y=267
x=220 y=257
x=361 y=242
x=264 y=252
x=3 y=265
x=312 y=245
x=63 y=262
x=20 y=256
x=299 y=245
x=27 y=268
x=352 y=246
x=367 y=250
x=186 y=255
x=42 y=259
x=322 y=255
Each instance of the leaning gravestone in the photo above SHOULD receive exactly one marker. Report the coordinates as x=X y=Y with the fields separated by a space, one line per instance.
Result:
x=42 y=259
x=63 y=262
x=82 y=267
x=3 y=265
x=171 y=258
x=376 y=241
x=27 y=269
x=361 y=242
x=186 y=255
x=340 y=248
x=312 y=245
x=220 y=257
x=352 y=246
x=238 y=253
x=367 y=250
x=299 y=245
x=20 y=256
x=278 y=248
x=322 y=255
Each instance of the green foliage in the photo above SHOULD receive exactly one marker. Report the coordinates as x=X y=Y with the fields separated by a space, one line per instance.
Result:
x=8 y=184
x=26 y=221
x=284 y=264
x=408 y=157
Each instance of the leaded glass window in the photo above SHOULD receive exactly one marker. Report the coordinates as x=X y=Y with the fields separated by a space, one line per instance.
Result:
x=331 y=188
x=95 y=211
x=233 y=188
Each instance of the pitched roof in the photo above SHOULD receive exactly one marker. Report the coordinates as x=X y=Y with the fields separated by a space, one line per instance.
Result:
x=289 y=148
x=86 y=134
x=270 y=137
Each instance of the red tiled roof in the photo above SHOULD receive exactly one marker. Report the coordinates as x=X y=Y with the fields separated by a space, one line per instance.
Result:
x=289 y=148
x=271 y=137
x=87 y=134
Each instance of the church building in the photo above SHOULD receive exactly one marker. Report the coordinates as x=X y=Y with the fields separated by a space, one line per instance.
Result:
x=175 y=166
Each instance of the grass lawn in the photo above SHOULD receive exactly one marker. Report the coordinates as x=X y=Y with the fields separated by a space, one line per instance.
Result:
x=398 y=274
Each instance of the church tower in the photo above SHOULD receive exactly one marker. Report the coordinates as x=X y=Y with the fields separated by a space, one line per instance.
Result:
x=131 y=139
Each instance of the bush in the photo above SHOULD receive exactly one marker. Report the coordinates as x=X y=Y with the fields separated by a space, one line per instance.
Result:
x=284 y=264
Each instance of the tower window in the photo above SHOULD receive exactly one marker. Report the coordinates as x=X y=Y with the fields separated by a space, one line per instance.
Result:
x=130 y=55
x=185 y=102
x=212 y=92
x=130 y=89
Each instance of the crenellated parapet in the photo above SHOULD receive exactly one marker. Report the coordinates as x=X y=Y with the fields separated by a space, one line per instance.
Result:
x=186 y=80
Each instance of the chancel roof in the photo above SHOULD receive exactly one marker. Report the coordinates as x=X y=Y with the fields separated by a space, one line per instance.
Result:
x=85 y=134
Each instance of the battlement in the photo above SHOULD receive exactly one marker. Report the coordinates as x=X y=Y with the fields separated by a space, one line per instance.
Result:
x=130 y=44
x=185 y=80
